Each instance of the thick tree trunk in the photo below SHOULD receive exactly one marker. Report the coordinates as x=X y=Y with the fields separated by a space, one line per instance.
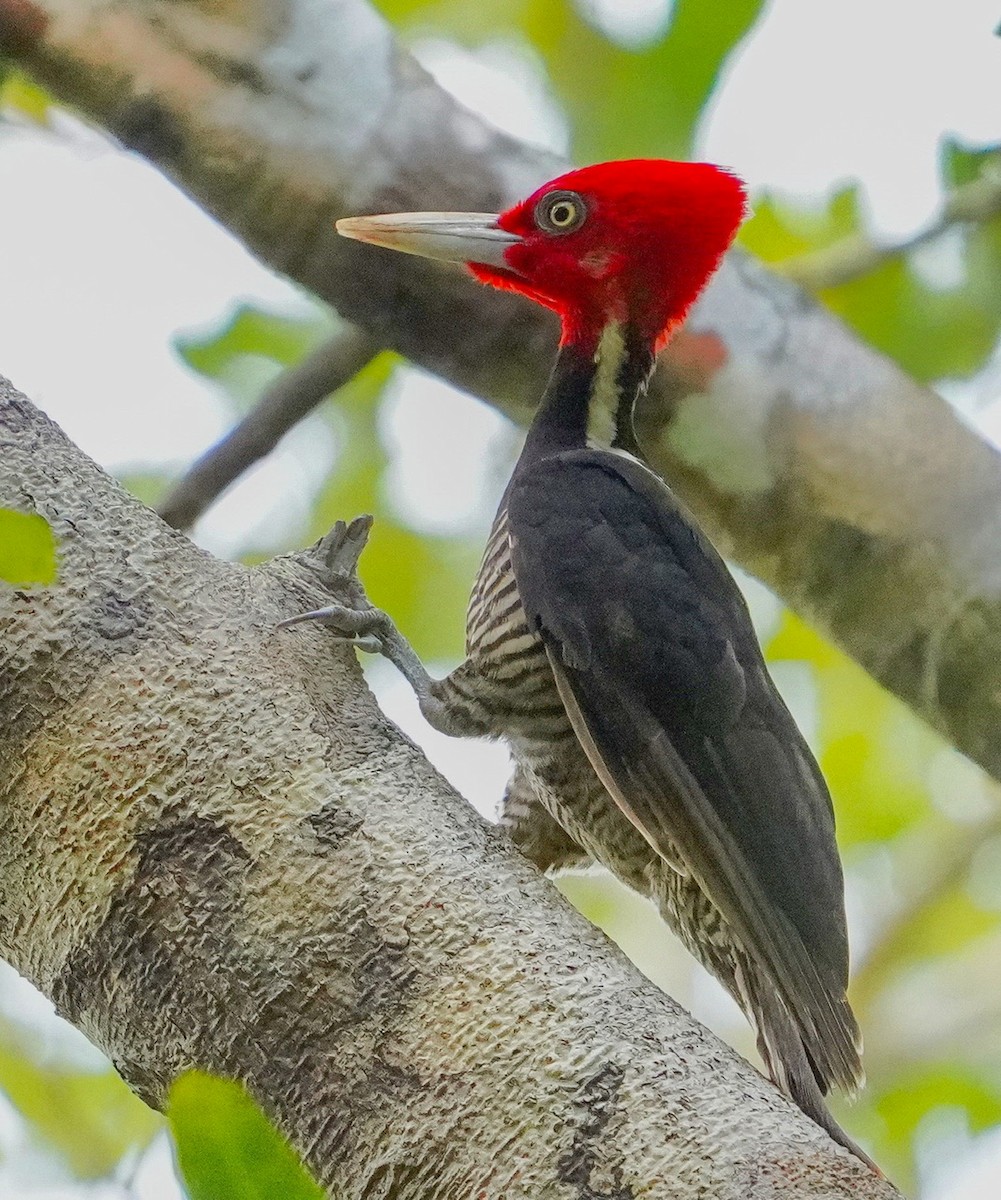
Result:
x=859 y=495
x=216 y=852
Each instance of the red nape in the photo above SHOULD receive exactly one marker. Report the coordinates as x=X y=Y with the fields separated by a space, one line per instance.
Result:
x=653 y=234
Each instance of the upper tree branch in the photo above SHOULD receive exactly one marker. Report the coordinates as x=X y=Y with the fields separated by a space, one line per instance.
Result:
x=292 y=396
x=856 y=493
x=852 y=257
x=215 y=852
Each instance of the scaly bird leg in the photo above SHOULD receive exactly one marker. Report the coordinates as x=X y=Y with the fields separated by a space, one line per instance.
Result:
x=357 y=621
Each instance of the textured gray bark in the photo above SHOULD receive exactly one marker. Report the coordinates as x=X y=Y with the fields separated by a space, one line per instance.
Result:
x=216 y=852
x=857 y=494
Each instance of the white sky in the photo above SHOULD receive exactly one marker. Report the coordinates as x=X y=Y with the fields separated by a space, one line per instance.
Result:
x=103 y=262
x=844 y=89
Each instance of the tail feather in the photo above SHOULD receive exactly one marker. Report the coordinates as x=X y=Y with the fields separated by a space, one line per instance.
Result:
x=832 y=1043
x=805 y=1070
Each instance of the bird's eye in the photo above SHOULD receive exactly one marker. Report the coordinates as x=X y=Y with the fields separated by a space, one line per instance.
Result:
x=560 y=212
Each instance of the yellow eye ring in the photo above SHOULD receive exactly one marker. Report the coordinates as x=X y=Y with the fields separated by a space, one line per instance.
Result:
x=560 y=212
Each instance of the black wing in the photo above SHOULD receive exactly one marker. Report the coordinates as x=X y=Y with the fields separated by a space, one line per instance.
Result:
x=662 y=676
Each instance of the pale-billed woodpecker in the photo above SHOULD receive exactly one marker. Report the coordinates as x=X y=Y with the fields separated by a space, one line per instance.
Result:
x=608 y=643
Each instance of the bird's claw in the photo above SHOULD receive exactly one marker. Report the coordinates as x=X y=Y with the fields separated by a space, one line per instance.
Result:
x=358 y=627
x=334 y=560
x=362 y=641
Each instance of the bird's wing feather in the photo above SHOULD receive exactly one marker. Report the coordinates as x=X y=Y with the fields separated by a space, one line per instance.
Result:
x=662 y=677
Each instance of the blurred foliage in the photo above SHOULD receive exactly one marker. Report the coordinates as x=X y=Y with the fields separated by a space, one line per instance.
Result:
x=905 y=1106
x=250 y=347
x=27 y=549
x=631 y=101
x=419 y=577
x=867 y=742
x=982 y=241
x=90 y=1118
x=933 y=329
x=915 y=820
x=227 y=1149
x=20 y=94
x=892 y=780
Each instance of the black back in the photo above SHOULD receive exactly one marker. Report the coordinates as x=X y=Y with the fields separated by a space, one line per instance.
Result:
x=660 y=670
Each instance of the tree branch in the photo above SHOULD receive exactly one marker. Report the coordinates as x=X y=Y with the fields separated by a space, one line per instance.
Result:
x=815 y=463
x=292 y=396
x=215 y=852
x=858 y=255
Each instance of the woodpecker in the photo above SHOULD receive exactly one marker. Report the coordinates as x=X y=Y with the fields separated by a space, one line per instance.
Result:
x=607 y=642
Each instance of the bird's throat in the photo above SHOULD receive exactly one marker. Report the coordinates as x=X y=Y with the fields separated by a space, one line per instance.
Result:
x=592 y=393
x=605 y=401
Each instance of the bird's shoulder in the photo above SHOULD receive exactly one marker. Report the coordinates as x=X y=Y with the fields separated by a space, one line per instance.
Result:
x=602 y=548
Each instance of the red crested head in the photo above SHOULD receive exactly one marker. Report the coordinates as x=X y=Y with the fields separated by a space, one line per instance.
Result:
x=632 y=241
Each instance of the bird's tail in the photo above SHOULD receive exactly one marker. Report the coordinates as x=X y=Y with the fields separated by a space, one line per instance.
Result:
x=792 y=1062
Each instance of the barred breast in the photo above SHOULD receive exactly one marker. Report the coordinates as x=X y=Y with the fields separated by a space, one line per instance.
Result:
x=497 y=634
x=513 y=677
x=509 y=658
x=507 y=673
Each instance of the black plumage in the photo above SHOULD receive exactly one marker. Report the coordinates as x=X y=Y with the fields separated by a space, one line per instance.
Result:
x=651 y=638
x=656 y=661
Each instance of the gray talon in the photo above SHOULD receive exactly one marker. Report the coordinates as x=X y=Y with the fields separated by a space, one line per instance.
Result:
x=367 y=642
x=315 y=615
x=356 y=626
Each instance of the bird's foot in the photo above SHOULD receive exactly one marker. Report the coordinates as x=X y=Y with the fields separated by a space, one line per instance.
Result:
x=364 y=628
x=352 y=617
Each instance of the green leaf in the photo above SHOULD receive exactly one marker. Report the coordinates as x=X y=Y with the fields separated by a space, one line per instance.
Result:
x=648 y=102
x=627 y=101
x=249 y=330
x=227 y=1149
x=91 y=1118
x=918 y=1092
x=931 y=332
x=962 y=163
x=245 y=352
x=778 y=230
x=19 y=91
x=27 y=549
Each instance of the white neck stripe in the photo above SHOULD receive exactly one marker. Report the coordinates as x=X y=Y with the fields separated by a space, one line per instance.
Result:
x=603 y=403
